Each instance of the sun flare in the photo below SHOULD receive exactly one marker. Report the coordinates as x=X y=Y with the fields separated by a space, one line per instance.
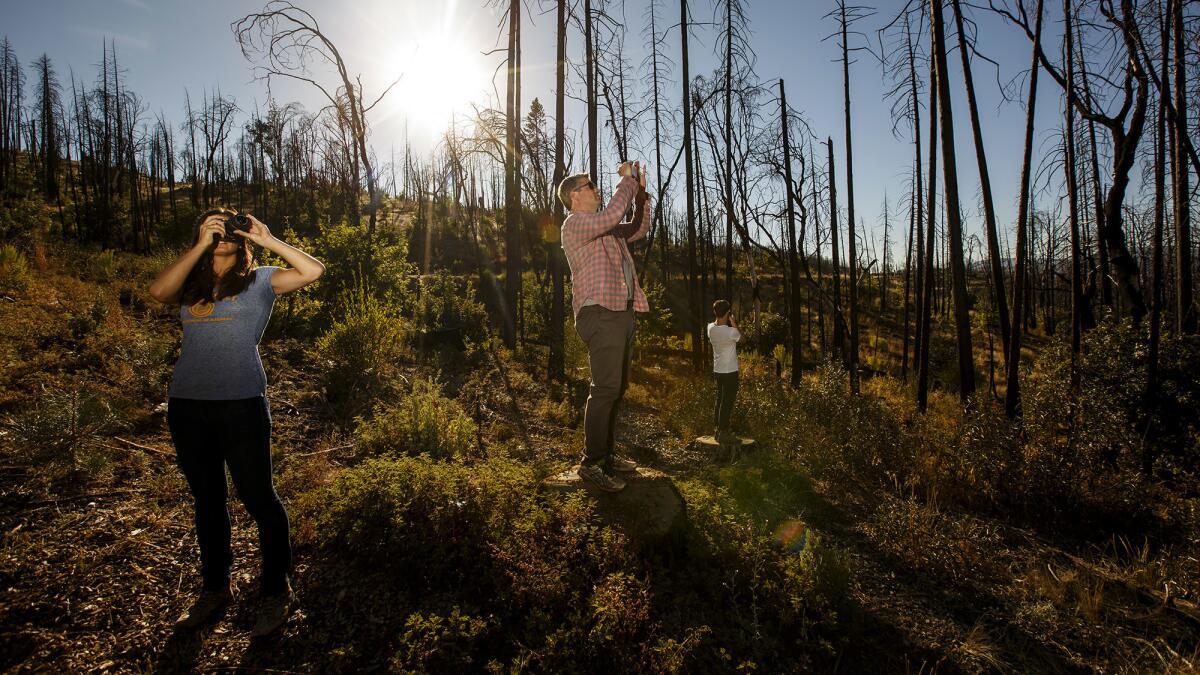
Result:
x=439 y=77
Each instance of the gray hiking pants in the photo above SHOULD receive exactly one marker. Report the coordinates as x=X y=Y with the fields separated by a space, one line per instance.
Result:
x=609 y=339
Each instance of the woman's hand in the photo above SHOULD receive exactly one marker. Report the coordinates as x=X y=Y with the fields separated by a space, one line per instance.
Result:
x=213 y=225
x=258 y=232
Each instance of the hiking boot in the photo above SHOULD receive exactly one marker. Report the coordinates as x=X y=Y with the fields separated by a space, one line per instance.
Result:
x=273 y=612
x=596 y=476
x=621 y=463
x=205 y=608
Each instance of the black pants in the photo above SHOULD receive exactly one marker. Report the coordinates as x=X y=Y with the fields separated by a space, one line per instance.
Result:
x=208 y=436
x=609 y=339
x=727 y=387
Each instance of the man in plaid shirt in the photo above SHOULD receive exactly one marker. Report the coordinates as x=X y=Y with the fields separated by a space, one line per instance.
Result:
x=605 y=293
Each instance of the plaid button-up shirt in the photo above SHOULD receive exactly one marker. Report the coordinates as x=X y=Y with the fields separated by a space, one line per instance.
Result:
x=595 y=244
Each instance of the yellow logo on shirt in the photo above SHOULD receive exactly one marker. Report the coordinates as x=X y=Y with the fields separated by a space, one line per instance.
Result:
x=201 y=308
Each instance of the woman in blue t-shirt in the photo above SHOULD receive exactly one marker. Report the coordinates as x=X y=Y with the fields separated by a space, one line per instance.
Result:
x=218 y=412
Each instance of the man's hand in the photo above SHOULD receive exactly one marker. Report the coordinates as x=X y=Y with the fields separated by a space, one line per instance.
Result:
x=625 y=169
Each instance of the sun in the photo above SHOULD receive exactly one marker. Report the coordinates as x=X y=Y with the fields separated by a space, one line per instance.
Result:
x=440 y=77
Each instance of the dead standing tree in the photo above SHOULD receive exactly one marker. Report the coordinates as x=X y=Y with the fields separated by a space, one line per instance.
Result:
x=285 y=40
x=696 y=318
x=737 y=55
x=965 y=47
x=1012 y=394
x=554 y=252
x=1125 y=128
x=512 y=172
x=846 y=16
x=1185 y=309
x=954 y=233
x=659 y=69
x=906 y=107
x=925 y=304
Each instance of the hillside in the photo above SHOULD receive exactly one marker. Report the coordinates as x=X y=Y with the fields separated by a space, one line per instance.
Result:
x=940 y=543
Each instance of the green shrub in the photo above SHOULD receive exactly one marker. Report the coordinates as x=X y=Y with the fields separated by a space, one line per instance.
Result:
x=103 y=266
x=538 y=585
x=448 y=302
x=149 y=358
x=85 y=323
x=353 y=260
x=360 y=350
x=772 y=326
x=65 y=427
x=781 y=607
x=14 y=269
x=654 y=327
x=440 y=522
x=421 y=421
x=434 y=643
x=536 y=301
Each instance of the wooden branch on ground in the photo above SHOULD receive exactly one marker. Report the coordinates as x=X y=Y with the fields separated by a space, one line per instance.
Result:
x=147 y=448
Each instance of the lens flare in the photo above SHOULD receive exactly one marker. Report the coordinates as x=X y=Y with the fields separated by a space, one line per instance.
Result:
x=792 y=535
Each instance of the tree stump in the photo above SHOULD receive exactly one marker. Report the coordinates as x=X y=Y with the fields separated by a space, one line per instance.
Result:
x=650 y=510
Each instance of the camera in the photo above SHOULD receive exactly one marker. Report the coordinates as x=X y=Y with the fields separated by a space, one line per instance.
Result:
x=634 y=172
x=238 y=222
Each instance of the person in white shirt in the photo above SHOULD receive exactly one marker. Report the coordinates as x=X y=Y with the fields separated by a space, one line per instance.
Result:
x=723 y=333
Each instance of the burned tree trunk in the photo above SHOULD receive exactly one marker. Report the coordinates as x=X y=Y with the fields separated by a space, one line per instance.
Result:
x=926 y=298
x=512 y=183
x=1012 y=393
x=851 y=224
x=554 y=252
x=839 y=328
x=696 y=318
x=1073 y=203
x=962 y=317
x=985 y=186
x=793 y=258
x=1185 y=310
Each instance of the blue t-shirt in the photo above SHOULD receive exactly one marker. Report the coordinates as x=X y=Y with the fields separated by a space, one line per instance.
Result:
x=219 y=359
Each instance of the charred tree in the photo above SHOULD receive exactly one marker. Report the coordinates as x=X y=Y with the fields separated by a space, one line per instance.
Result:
x=1012 y=393
x=954 y=235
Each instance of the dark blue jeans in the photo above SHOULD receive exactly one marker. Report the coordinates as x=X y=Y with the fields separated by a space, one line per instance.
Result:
x=208 y=436
x=727 y=387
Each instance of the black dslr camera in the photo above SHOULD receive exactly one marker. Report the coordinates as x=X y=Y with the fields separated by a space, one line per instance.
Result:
x=238 y=222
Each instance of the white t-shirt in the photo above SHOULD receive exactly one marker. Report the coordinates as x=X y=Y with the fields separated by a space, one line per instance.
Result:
x=724 y=341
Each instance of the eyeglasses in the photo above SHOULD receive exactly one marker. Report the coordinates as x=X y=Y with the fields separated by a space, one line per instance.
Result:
x=589 y=185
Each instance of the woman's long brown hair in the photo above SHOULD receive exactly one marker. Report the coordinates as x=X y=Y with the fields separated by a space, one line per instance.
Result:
x=202 y=284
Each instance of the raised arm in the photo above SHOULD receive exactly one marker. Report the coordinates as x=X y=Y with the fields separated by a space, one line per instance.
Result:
x=584 y=227
x=304 y=270
x=168 y=285
x=638 y=227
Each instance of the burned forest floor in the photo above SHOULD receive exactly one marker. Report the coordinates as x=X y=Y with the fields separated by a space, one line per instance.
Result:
x=950 y=542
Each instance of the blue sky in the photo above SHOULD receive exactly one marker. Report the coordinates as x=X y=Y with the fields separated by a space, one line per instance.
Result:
x=166 y=46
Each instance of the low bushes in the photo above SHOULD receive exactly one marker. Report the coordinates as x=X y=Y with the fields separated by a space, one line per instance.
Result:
x=14 y=269
x=447 y=302
x=361 y=350
x=501 y=571
x=1070 y=460
x=423 y=420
